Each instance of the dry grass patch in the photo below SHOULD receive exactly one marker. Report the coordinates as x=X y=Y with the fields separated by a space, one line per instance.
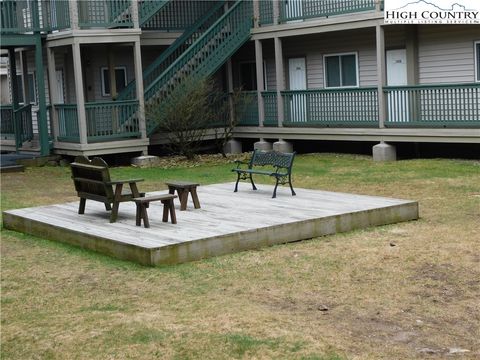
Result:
x=401 y=291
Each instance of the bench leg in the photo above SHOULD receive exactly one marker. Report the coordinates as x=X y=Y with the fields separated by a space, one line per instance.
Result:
x=144 y=215
x=81 y=207
x=290 y=183
x=138 y=215
x=236 y=184
x=173 y=216
x=253 y=184
x=275 y=189
x=116 y=203
x=196 y=202
x=165 y=210
x=108 y=207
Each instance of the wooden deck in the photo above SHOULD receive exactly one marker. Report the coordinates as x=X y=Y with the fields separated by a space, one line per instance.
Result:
x=227 y=222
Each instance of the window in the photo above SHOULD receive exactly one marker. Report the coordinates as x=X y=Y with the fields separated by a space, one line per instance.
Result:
x=31 y=88
x=248 y=76
x=477 y=61
x=341 y=70
x=120 y=79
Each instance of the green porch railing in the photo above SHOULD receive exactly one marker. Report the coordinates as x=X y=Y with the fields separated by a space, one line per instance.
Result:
x=291 y=10
x=266 y=12
x=433 y=105
x=248 y=112
x=7 y=124
x=67 y=122
x=24 y=126
x=166 y=58
x=104 y=14
x=176 y=15
x=204 y=56
x=331 y=107
x=105 y=120
x=270 y=108
x=24 y=16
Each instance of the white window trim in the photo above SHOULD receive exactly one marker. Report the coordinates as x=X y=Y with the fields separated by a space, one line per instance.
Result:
x=325 y=71
x=476 y=60
x=124 y=68
x=253 y=62
x=33 y=73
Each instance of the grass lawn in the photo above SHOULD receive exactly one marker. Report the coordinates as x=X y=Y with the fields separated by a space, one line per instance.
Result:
x=404 y=291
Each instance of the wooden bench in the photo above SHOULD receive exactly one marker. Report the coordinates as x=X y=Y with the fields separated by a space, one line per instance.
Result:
x=183 y=188
x=279 y=166
x=92 y=181
x=144 y=202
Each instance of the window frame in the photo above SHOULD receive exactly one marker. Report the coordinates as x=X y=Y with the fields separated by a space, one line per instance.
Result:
x=476 y=57
x=357 y=70
x=34 y=99
x=103 y=68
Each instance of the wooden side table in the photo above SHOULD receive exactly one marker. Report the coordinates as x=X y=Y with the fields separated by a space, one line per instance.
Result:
x=143 y=203
x=183 y=188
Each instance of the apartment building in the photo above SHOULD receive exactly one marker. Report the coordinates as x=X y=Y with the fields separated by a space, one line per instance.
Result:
x=315 y=70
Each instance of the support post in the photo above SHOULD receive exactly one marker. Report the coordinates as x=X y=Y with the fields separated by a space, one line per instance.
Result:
x=54 y=96
x=381 y=75
x=137 y=57
x=26 y=88
x=135 y=15
x=256 y=13
x=276 y=12
x=73 y=9
x=280 y=77
x=230 y=89
x=80 y=95
x=14 y=91
x=260 y=84
x=111 y=73
x=42 y=103
x=412 y=54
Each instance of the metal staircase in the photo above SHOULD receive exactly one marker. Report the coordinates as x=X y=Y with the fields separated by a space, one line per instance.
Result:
x=204 y=56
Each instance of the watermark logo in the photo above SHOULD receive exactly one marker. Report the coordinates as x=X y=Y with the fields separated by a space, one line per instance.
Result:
x=432 y=12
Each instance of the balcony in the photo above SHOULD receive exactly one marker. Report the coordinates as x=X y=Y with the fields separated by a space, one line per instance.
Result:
x=299 y=10
x=29 y=16
x=421 y=106
x=105 y=121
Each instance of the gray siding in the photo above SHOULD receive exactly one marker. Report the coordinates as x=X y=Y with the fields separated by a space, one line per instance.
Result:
x=446 y=53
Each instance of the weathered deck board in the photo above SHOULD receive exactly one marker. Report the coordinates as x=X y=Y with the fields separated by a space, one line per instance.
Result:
x=227 y=222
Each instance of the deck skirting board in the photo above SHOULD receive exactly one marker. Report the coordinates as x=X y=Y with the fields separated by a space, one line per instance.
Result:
x=226 y=223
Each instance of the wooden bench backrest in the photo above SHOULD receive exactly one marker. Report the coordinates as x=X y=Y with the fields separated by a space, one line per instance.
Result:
x=91 y=178
x=273 y=158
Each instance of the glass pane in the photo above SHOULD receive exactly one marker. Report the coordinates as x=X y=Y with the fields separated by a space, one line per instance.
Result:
x=349 y=70
x=120 y=79
x=106 y=81
x=332 y=71
x=20 y=88
x=478 y=62
x=31 y=88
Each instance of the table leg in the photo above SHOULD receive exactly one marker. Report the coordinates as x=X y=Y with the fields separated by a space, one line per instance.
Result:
x=183 y=196
x=146 y=223
x=138 y=215
x=165 y=211
x=173 y=216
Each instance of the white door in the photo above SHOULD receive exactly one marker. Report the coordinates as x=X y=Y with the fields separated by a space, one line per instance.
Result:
x=398 y=104
x=294 y=9
x=297 y=76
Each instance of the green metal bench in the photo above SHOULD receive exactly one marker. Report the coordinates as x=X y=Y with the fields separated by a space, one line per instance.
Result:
x=279 y=166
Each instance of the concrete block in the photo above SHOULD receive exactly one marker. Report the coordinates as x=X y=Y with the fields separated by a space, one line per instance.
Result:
x=283 y=146
x=384 y=152
x=233 y=147
x=263 y=145
x=145 y=161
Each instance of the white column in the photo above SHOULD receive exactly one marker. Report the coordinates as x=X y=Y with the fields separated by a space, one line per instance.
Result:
x=137 y=57
x=280 y=77
x=260 y=84
x=276 y=12
x=381 y=75
x=134 y=14
x=256 y=13
x=80 y=96
x=73 y=8
x=52 y=80
x=26 y=88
